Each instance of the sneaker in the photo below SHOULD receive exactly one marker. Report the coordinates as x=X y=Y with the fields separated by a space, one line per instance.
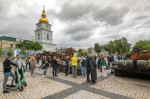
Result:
x=6 y=91
x=88 y=81
x=43 y=76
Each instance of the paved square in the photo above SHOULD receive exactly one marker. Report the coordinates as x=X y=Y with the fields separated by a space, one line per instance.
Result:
x=85 y=95
x=62 y=76
x=76 y=88
x=37 y=87
x=131 y=87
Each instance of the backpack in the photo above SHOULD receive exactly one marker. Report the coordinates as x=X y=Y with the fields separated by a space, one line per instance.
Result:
x=83 y=62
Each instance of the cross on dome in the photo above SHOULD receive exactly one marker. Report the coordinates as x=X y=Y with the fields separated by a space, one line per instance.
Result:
x=43 y=19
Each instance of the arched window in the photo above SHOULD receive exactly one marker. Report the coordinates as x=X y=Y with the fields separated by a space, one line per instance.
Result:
x=38 y=36
x=47 y=36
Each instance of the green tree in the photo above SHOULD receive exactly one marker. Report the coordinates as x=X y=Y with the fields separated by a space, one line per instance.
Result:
x=85 y=53
x=1 y=51
x=97 y=48
x=36 y=46
x=23 y=52
x=80 y=52
x=10 y=52
x=143 y=44
x=26 y=45
x=121 y=46
x=89 y=51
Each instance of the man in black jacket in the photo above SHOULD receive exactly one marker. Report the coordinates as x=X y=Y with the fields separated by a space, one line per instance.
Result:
x=87 y=65
x=54 y=65
x=111 y=59
x=7 y=72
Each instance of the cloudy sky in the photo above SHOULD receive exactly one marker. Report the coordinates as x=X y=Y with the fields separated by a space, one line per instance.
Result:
x=78 y=23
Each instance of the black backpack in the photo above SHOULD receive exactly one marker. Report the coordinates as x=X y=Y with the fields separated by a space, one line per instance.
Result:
x=83 y=63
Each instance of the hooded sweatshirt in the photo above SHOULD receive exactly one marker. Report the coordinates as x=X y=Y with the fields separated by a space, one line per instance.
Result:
x=7 y=65
x=74 y=60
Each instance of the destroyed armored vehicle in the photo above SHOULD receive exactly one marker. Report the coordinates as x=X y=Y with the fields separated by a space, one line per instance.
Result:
x=137 y=66
x=62 y=67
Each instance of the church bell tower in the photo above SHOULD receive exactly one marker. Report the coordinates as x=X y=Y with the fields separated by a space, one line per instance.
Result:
x=43 y=33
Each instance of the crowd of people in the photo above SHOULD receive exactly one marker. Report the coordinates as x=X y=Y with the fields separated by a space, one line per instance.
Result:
x=88 y=64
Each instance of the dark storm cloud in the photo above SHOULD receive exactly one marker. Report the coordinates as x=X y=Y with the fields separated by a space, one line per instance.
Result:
x=4 y=8
x=110 y=15
x=80 y=31
x=18 y=23
x=70 y=12
x=114 y=36
x=147 y=24
x=78 y=21
x=142 y=17
x=18 y=29
x=74 y=28
x=82 y=35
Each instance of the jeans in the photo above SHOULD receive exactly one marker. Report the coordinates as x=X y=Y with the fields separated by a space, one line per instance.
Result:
x=40 y=67
x=6 y=75
x=83 y=71
x=32 y=69
x=111 y=67
x=26 y=66
x=88 y=74
x=54 y=70
x=45 y=71
x=101 y=68
x=29 y=66
x=98 y=65
x=74 y=71
x=67 y=70
x=49 y=65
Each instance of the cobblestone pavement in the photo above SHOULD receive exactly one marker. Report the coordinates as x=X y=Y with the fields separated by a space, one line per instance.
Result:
x=85 y=94
x=76 y=88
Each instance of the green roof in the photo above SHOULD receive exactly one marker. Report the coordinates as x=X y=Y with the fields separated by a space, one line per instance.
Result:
x=7 y=38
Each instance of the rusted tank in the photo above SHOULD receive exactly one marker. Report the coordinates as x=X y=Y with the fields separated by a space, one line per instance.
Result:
x=60 y=59
x=138 y=64
x=62 y=67
x=140 y=56
x=135 y=68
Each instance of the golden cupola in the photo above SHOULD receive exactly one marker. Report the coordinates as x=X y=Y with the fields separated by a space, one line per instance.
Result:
x=43 y=19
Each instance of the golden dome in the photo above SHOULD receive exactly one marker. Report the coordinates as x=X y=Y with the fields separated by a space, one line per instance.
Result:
x=43 y=19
